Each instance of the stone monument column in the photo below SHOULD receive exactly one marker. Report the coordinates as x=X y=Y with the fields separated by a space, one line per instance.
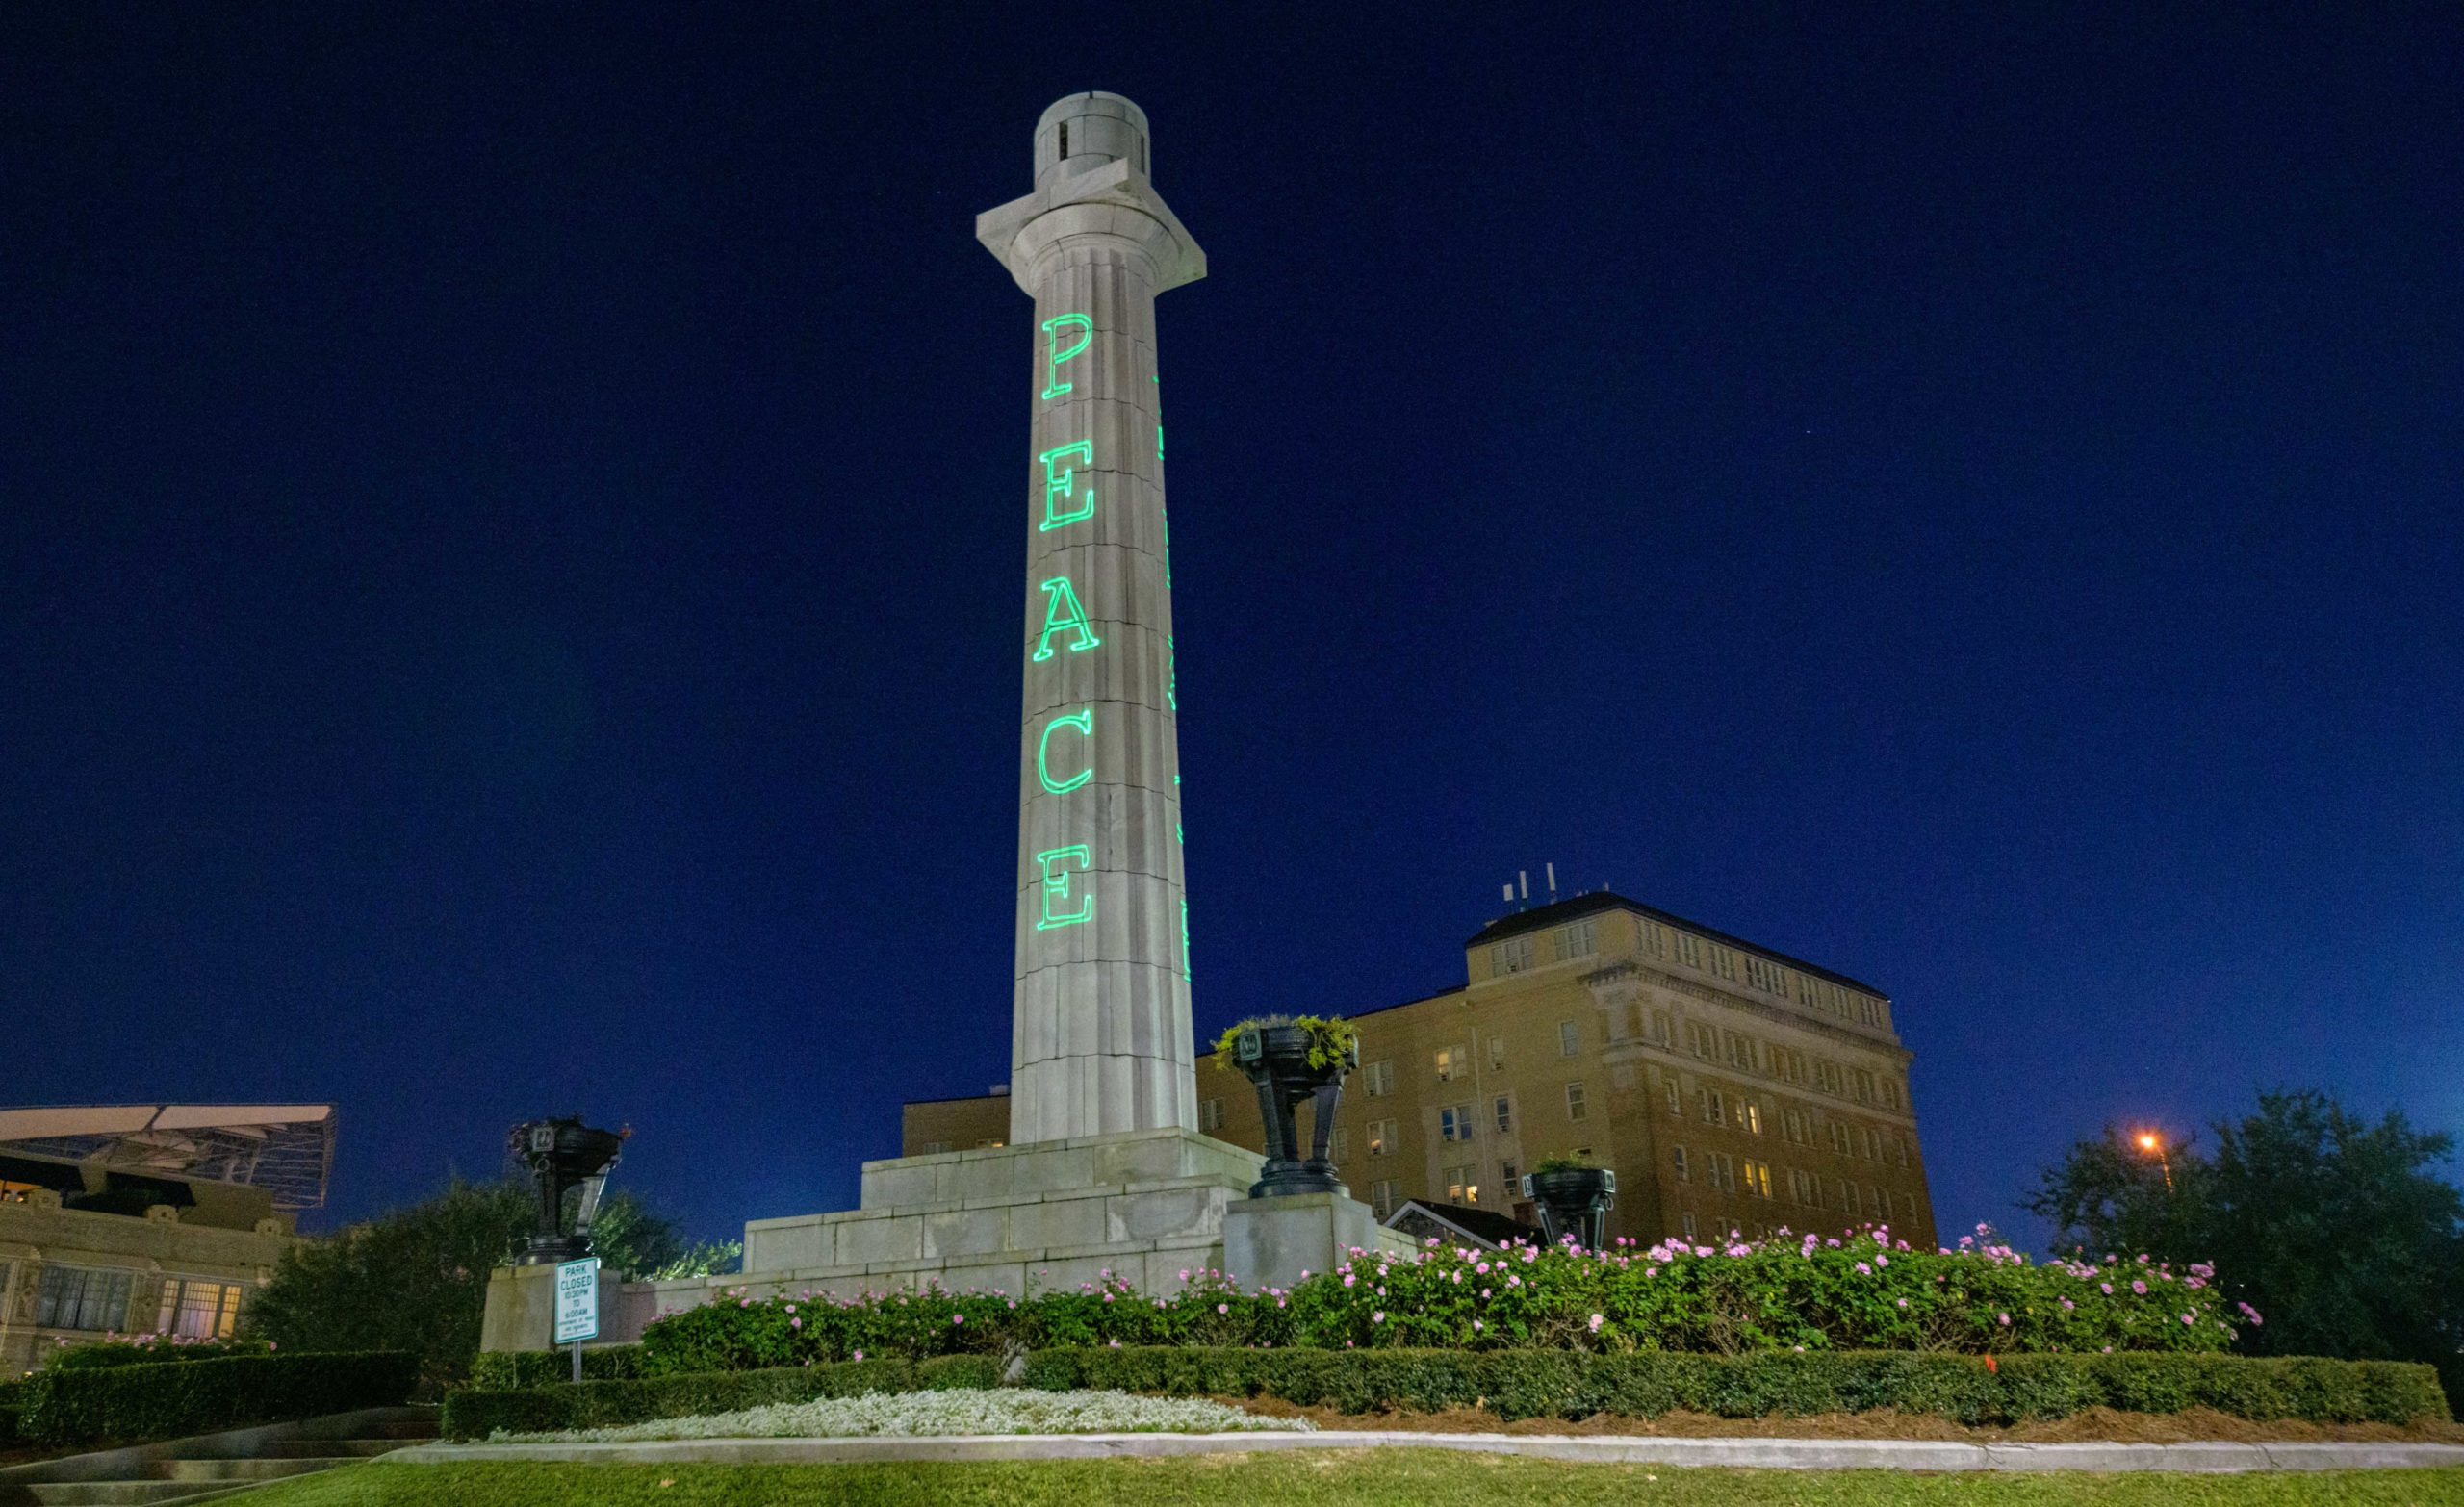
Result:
x=1100 y=1035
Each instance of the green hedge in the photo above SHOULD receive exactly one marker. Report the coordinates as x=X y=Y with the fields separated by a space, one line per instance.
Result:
x=132 y=1403
x=157 y=1351
x=496 y=1370
x=12 y=1398
x=476 y=1414
x=1564 y=1384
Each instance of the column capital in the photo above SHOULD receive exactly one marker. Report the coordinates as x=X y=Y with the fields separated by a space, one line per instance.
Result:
x=1112 y=203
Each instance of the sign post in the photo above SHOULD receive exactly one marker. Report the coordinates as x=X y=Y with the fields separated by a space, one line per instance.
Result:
x=577 y=1305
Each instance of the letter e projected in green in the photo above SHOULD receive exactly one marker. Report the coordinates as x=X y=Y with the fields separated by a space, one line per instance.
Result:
x=1085 y=723
x=1054 y=355
x=1056 y=887
x=1058 y=481
x=1061 y=611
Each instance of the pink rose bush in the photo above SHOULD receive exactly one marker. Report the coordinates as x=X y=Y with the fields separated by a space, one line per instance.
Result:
x=1864 y=1291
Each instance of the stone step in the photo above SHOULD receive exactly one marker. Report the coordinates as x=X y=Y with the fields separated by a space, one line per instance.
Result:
x=122 y=1493
x=319 y=1449
x=266 y=1470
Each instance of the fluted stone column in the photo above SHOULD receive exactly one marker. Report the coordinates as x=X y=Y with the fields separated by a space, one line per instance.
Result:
x=1101 y=1028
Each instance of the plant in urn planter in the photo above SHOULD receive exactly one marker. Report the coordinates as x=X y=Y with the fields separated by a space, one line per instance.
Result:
x=1294 y=1059
x=1574 y=1196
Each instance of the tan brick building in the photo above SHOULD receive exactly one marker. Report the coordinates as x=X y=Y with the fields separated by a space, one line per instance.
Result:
x=1731 y=1086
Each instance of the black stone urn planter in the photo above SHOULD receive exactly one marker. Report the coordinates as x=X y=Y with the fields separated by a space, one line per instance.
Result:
x=563 y=1155
x=1276 y=1058
x=1573 y=1201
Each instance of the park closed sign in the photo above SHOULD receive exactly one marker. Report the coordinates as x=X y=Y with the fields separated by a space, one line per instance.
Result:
x=577 y=1300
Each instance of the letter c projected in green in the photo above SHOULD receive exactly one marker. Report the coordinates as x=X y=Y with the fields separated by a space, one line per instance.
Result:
x=1061 y=482
x=1054 y=355
x=1056 y=887
x=1085 y=723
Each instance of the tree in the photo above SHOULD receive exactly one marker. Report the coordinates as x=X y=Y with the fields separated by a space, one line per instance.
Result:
x=632 y=1237
x=412 y=1279
x=2340 y=1233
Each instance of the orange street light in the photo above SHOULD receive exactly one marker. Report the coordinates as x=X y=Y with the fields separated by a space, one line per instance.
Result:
x=2154 y=1145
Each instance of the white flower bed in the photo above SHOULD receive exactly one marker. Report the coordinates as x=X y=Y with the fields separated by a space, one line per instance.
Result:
x=1007 y=1411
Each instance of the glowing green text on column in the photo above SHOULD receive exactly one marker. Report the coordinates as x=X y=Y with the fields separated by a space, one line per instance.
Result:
x=1185 y=941
x=1085 y=723
x=1062 y=612
x=1171 y=675
x=1056 y=889
x=1059 y=482
x=1054 y=355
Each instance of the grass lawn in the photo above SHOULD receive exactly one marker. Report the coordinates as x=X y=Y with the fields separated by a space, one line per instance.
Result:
x=1338 y=1478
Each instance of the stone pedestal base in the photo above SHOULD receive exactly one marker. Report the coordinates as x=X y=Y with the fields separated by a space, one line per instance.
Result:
x=1276 y=1242
x=522 y=1310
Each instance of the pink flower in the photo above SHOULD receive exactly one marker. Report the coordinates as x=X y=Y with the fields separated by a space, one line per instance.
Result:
x=2186 y=1320
x=2106 y=1288
x=1903 y=1302
x=1864 y=1270
x=1224 y=1308
x=1476 y=1326
x=2004 y=1319
x=1378 y=1317
x=1881 y=1260
x=2139 y=1288
x=859 y=1355
x=795 y=1323
x=1596 y=1322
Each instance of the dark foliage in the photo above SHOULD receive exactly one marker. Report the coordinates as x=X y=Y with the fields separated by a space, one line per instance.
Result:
x=132 y=1403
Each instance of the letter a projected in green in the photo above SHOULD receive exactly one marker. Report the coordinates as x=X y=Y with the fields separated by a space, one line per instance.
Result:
x=1061 y=611
x=1056 y=889
x=1085 y=723
x=1058 y=483
x=1054 y=355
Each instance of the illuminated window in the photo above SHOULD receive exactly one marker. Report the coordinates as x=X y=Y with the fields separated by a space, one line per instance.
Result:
x=1569 y=1038
x=1381 y=1137
x=198 y=1309
x=1511 y=955
x=1575 y=1108
x=1749 y=1114
x=1462 y=1185
x=1451 y=1063
x=1382 y=1197
x=1210 y=1114
x=1377 y=1078
x=1757 y=1179
x=1454 y=1122
x=1505 y=1108
x=81 y=1297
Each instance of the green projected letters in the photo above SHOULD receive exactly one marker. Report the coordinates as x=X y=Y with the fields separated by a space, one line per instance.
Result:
x=1058 y=482
x=1061 y=611
x=1085 y=723
x=1056 y=887
x=1054 y=355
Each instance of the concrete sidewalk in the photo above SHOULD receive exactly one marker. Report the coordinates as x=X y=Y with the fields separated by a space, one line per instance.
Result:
x=1762 y=1454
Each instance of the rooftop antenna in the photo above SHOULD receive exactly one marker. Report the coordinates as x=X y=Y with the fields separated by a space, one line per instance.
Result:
x=1523 y=877
x=1552 y=883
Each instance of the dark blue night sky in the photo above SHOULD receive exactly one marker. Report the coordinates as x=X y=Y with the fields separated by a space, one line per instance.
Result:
x=509 y=544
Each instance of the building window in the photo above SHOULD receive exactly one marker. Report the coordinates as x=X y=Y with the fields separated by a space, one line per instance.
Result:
x=1338 y=1144
x=1689 y=950
x=1865 y=1086
x=1497 y=1054
x=1508 y=1181
x=1826 y=1077
x=1800 y=1186
x=1722 y=1168
x=1790 y=1066
x=1741 y=1051
x=78 y=1297
x=1676 y=1095
x=1505 y=1108
x=1686 y=1222
x=1870 y=1012
x=1462 y=1185
x=1676 y=1160
x=1840 y=1137
x=1377 y=1078
x=1569 y=1038
x=1757 y=1179
x=1900 y=1144
x=1714 y=1106
x=1891 y=1099
x=1453 y=1062
x=1381 y=1137
x=1650 y=938
x=1382 y=1197
x=1578 y=941
x=1511 y=955
x=1724 y=963
x=194 y=1309
x=1660 y=1028
x=1576 y=1108
x=1749 y=1114
x=1454 y=1122
x=1701 y=1040
x=1210 y=1114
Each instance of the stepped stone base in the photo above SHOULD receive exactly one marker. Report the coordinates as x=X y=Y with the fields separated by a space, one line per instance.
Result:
x=1143 y=1205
